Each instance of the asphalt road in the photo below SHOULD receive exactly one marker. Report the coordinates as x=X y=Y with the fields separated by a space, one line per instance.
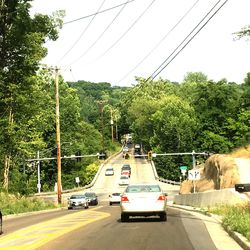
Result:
x=182 y=231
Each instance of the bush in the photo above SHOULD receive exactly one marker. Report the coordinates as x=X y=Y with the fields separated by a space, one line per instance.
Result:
x=237 y=218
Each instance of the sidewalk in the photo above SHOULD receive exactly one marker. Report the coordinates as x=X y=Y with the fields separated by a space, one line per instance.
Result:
x=223 y=238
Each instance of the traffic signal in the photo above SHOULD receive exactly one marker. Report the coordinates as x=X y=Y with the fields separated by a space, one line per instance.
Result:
x=150 y=155
x=78 y=153
x=102 y=155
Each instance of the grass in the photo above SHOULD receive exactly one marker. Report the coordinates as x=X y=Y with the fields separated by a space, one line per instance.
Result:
x=237 y=217
x=16 y=204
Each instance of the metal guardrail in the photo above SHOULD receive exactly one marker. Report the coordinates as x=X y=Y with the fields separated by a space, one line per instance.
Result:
x=162 y=179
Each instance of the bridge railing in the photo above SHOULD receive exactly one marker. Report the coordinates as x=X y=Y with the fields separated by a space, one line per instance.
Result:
x=160 y=178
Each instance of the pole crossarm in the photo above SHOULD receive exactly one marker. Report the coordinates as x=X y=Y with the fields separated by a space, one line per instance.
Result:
x=63 y=157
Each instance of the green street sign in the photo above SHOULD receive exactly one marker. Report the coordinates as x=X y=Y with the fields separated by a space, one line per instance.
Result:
x=183 y=167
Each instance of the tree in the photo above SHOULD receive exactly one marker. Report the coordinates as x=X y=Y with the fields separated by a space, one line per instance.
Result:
x=195 y=77
x=21 y=49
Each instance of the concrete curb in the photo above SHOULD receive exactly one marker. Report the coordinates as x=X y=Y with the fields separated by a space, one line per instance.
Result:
x=240 y=239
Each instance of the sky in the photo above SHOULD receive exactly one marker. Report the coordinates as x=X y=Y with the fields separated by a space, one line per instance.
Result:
x=125 y=41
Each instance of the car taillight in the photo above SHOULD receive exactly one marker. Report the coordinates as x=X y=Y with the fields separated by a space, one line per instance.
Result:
x=162 y=198
x=124 y=198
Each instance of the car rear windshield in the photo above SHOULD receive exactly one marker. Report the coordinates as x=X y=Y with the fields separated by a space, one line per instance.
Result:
x=143 y=188
x=77 y=197
x=90 y=194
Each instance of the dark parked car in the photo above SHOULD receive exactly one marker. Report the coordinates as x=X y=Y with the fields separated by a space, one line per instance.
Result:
x=92 y=198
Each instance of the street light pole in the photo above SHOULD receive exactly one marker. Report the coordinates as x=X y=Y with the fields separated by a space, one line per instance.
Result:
x=58 y=142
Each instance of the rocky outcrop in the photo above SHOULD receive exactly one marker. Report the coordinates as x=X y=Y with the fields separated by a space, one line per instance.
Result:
x=218 y=172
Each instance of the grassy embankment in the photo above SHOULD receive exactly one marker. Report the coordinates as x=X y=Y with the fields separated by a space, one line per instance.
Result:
x=16 y=204
x=237 y=218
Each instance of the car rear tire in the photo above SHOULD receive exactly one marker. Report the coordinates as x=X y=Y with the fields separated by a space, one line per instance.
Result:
x=110 y=203
x=163 y=217
x=124 y=217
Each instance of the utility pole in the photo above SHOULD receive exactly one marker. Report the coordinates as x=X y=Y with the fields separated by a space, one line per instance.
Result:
x=112 y=124
x=58 y=140
x=101 y=104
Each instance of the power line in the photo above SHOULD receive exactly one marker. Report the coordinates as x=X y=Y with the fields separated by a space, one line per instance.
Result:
x=99 y=12
x=84 y=31
x=129 y=28
x=155 y=73
x=101 y=35
x=158 y=44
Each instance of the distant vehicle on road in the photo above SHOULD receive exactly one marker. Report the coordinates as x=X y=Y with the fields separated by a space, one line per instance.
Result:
x=125 y=149
x=92 y=198
x=143 y=200
x=77 y=200
x=124 y=180
x=114 y=198
x=109 y=171
x=137 y=150
x=126 y=170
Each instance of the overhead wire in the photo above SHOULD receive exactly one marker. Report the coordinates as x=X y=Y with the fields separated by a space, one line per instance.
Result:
x=101 y=35
x=81 y=35
x=161 y=67
x=129 y=28
x=99 y=12
x=159 y=43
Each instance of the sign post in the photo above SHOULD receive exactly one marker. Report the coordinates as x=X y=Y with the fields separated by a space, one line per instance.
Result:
x=183 y=170
x=194 y=175
x=77 y=181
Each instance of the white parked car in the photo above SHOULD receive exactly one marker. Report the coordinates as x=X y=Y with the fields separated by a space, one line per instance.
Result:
x=109 y=171
x=114 y=198
x=78 y=200
x=143 y=200
x=124 y=180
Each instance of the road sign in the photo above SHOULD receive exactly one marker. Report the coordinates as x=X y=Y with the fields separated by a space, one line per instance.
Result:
x=183 y=167
x=194 y=175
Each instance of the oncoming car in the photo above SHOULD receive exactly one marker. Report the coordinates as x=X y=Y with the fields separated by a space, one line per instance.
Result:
x=77 y=200
x=109 y=171
x=143 y=200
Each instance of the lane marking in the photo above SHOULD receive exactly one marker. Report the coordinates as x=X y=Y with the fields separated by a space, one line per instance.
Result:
x=39 y=234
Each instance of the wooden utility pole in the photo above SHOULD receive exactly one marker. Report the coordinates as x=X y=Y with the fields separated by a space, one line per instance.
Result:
x=58 y=140
x=112 y=124
x=101 y=104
